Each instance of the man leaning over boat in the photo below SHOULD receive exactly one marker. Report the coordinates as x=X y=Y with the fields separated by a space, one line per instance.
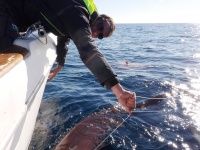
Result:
x=76 y=20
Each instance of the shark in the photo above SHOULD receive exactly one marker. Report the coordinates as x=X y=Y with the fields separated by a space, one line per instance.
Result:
x=89 y=133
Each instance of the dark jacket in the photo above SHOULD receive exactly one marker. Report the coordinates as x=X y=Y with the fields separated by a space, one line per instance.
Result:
x=68 y=19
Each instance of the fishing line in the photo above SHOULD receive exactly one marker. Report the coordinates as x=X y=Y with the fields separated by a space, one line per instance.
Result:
x=39 y=39
x=145 y=111
x=136 y=111
x=122 y=123
x=149 y=98
x=112 y=132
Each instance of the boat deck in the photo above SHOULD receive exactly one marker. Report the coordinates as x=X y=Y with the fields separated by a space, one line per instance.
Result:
x=10 y=57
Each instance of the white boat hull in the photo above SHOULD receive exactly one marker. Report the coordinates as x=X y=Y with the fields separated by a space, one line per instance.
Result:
x=21 y=91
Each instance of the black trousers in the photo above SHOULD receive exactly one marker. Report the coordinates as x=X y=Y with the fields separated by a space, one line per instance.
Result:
x=8 y=31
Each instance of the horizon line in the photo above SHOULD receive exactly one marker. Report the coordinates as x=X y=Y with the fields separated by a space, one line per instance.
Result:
x=157 y=22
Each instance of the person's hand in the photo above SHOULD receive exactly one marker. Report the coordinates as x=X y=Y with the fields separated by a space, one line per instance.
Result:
x=126 y=98
x=54 y=72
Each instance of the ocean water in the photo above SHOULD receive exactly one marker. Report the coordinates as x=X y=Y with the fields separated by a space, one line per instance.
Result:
x=149 y=59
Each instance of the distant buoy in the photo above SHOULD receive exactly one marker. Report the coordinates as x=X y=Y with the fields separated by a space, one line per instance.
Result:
x=126 y=62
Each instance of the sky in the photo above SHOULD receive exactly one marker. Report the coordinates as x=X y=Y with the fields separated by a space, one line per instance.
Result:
x=151 y=11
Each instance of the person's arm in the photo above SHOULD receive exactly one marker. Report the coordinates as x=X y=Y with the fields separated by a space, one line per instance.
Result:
x=61 y=50
x=126 y=98
x=80 y=33
x=54 y=72
x=98 y=65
